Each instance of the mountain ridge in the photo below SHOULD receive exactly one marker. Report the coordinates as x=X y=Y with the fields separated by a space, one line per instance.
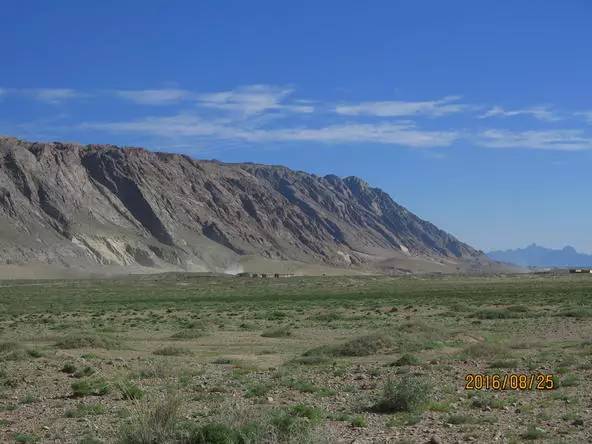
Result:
x=75 y=205
x=537 y=256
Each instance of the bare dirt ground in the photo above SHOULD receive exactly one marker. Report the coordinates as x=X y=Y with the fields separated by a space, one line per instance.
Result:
x=186 y=359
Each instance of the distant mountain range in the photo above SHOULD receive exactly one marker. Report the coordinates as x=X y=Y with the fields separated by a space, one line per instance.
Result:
x=537 y=256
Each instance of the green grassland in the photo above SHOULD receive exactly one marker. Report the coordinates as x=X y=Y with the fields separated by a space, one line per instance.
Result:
x=187 y=358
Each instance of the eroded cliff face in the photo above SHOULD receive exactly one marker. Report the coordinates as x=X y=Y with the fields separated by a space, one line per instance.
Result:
x=79 y=206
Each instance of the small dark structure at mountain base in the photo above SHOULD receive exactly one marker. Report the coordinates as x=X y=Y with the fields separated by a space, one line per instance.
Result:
x=265 y=275
x=580 y=270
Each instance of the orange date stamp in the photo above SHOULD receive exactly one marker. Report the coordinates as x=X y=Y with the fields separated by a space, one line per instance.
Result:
x=510 y=381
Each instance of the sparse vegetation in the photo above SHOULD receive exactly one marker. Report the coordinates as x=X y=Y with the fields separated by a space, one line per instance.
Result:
x=410 y=394
x=362 y=346
x=533 y=432
x=188 y=334
x=153 y=423
x=129 y=390
x=25 y=438
x=162 y=423
x=87 y=340
x=85 y=371
x=359 y=421
x=485 y=350
x=171 y=350
x=257 y=390
x=507 y=363
x=81 y=410
x=407 y=359
x=69 y=368
x=279 y=332
x=90 y=387
x=302 y=360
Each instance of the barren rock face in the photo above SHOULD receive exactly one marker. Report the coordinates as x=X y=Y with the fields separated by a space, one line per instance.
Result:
x=75 y=205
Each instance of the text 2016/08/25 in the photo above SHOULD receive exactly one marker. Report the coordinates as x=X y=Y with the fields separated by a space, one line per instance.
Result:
x=509 y=381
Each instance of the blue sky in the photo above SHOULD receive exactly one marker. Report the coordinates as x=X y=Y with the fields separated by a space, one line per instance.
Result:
x=476 y=115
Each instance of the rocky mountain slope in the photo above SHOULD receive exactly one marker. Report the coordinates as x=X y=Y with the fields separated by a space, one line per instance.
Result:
x=94 y=207
x=537 y=256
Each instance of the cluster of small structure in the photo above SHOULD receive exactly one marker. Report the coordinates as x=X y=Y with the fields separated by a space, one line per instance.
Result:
x=580 y=270
x=266 y=275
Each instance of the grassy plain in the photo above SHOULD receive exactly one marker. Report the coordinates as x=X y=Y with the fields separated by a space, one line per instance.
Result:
x=180 y=358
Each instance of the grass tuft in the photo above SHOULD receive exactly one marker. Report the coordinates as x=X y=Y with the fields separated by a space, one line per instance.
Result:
x=129 y=390
x=156 y=423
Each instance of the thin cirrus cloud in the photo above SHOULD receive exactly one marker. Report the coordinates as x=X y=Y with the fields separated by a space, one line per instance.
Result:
x=246 y=100
x=395 y=108
x=253 y=99
x=402 y=133
x=587 y=115
x=52 y=95
x=538 y=112
x=154 y=96
x=46 y=95
x=557 y=140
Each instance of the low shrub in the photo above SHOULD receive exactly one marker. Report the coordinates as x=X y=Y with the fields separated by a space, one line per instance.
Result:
x=69 y=368
x=257 y=390
x=533 y=432
x=408 y=395
x=406 y=359
x=362 y=346
x=359 y=421
x=90 y=387
x=84 y=372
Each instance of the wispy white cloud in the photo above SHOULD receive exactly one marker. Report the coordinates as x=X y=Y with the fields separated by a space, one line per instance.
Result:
x=247 y=100
x=155 y=96
x=182 y=125
x=259 y=113
x=401 y=133
x=383 y=133
x=587 y=115
x=52 y=95
x=253 y=99
x=394 y=108
x=559 y=140
x=538 y=112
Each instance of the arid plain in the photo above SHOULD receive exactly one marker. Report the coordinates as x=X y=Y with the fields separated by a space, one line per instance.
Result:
x=183 y=358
